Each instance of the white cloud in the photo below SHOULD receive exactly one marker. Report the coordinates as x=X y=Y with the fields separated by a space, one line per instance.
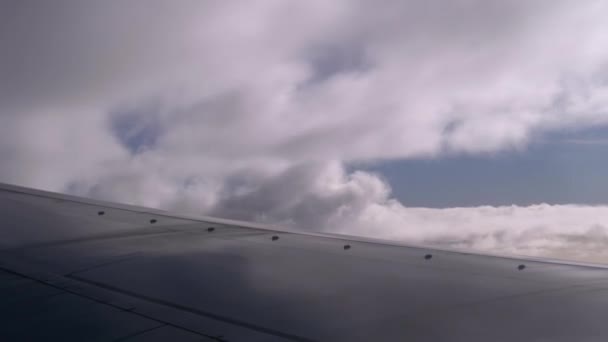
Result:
x=325 y=197
x=250 y=108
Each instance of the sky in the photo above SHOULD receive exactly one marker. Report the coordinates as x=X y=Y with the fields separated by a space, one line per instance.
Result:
x=563 y=168
x=465 y=123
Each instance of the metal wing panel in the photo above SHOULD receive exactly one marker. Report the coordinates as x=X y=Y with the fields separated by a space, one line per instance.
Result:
x=31 y=310
x=239 y=282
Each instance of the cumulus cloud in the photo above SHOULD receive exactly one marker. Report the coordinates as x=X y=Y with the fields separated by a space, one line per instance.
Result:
x=251 y=109
x=326 y=198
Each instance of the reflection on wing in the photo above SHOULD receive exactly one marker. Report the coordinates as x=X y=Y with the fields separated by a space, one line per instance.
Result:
x=77 y=269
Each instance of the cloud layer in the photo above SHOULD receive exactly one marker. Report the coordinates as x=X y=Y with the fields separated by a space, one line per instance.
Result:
x=251 y=109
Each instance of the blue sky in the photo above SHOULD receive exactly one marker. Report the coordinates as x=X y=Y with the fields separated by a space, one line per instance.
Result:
x=561 y=168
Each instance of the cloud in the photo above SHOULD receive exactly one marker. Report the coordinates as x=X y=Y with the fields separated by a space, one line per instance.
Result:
x=251 y=109
x=327 y=198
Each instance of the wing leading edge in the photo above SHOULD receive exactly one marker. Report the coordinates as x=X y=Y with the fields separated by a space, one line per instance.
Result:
x=78 y=269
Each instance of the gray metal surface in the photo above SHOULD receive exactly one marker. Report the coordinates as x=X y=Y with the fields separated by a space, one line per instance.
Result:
x=70 y=272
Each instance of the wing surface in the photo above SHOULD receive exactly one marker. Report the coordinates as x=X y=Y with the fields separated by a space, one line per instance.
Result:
x=75 y=269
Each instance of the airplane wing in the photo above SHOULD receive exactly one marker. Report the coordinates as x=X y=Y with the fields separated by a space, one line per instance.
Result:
x=74 y=269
